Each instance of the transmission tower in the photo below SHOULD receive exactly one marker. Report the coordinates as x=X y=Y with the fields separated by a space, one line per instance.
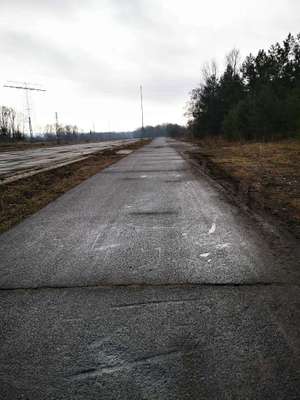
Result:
x=26 y=86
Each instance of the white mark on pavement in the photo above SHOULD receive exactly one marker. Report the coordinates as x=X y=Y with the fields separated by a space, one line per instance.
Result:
x=205 y=255
x=109 y=246
x=159 y=255
x=223 y=246
x=212 y=229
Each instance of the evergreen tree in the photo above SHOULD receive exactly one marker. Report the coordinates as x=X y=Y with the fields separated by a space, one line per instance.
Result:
x=260 y=100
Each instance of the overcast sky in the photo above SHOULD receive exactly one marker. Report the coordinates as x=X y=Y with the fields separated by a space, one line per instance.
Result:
x=92 y=55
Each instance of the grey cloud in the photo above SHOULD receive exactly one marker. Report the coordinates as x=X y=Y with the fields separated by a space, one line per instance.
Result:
x=53 y=60
x=33 y=50
x=44 y=6
x=165 y=55
x=88 y=74
x=157 y=57
x=134 y=12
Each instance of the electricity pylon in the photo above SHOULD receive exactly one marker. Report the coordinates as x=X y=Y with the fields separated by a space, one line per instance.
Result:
x=26 y=87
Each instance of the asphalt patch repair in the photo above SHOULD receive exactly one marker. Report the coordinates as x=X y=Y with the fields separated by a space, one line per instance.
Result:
x=24 y=197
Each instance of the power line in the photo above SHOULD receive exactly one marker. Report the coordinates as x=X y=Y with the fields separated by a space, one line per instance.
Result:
x=26 y=87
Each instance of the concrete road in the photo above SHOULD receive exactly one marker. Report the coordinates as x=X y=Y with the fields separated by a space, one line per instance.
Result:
x=144 y=282
x=20 y=163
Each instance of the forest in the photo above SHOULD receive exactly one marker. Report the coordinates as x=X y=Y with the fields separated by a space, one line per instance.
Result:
x=255 y=99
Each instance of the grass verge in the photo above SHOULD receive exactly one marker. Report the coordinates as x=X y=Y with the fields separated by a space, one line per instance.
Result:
x=24 y=197
x=265 y=175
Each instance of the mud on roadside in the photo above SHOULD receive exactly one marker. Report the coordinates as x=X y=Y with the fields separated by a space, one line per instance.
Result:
x=264 y=177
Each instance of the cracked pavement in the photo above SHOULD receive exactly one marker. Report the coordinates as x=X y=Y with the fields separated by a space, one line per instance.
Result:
x=145 y=282
x=18 y=164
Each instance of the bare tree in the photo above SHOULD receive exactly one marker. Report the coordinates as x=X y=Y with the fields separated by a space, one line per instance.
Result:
x=4 y=121
x=11 y=121
x=233 y=59
x=209 y=70
x=7 y=122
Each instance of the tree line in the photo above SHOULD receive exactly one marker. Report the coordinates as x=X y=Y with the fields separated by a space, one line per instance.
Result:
x=60 y=133
x=70 y=133
x=166 y=130
x=257 y=99
x=10 y=124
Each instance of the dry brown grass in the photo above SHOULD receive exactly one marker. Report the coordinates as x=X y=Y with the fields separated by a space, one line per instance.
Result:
x=24 y=197
x=272 y=170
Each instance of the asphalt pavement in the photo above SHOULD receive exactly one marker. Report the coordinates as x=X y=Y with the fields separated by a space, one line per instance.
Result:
x=18 y=164
x=146 y=282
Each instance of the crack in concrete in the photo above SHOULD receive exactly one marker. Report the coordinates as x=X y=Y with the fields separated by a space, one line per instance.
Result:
x=145 y=303
x=157 y=286
x=153 y=213
x=96 y=372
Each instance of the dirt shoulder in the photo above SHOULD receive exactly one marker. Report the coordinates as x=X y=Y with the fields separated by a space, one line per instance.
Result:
x=265 y=176
x=24 y=197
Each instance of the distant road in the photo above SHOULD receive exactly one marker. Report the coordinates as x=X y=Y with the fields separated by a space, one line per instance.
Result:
x=17 y=164
x=145 y=282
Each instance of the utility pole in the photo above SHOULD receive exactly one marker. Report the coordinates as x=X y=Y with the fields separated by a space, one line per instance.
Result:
x=26 y=87
x=56 y=128
x=142 y=107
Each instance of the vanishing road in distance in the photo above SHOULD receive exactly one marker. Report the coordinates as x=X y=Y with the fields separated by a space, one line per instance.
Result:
x=146 y=282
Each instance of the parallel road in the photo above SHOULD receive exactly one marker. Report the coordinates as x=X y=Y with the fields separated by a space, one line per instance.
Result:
x=20 y=163
x=144 y=282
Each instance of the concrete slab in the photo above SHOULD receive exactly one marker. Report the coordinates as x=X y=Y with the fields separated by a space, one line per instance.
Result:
x=150 y=343
x=142 y=221
x=144 y=282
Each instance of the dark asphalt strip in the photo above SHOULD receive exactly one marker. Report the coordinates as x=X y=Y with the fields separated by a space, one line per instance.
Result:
x=158 y=286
